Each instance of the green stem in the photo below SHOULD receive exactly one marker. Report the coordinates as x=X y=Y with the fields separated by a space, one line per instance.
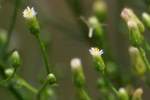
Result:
x=44 y=54
x=41 y=90
x=16 y=93
x=28 y=86
x=25 y=83
x=13 y=20
x=82 y=94
x=144 y=58
x=109 y=83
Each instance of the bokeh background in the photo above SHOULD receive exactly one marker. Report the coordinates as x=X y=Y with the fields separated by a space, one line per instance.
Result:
x=65 y=39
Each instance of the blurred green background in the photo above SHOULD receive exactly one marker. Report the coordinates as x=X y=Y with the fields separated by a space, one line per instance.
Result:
x=65 y=39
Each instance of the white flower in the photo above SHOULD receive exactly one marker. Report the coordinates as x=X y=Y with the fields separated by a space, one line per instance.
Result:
x=126 y=14
x=29 y=13
x=75 y=63
x=95 y=51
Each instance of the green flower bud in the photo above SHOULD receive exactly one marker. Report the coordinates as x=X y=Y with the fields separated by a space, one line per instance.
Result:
x=123 y=95
x=146 y=19
x=78 y=75
x=3 y=37
x=128 y=15
x=15 y=59
x=100 y=9
x=9 y=71
x=135 y=36
x=138 y=64
x=79 y=79
x=51 y=78
x=137 y=95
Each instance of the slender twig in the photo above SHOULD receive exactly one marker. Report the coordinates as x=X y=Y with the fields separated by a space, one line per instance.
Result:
x=16 y=93
x=13 y=20
x=144 y=58
x=41 y=90
x=43 y=51
x=27 y=85
x=111 y=86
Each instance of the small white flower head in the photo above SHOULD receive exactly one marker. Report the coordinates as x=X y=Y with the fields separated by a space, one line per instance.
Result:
x=95 y=51
x=126 y=13
x=75 y=63
x=29 y=13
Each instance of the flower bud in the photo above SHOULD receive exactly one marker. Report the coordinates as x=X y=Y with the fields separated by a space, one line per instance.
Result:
x=14 y=59
x=137 y=95
x=9 y=71
x=128 y=15
x=78 y=75
x=135 y=36
x=123 y=95
x=97 y=58
x=100 y=9
x=51 y=78
x=3 y=37
x=135 y=26
x=138 y=64
x=146 y=19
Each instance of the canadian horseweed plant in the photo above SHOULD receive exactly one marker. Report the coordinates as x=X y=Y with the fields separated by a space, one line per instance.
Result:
x=112 y=83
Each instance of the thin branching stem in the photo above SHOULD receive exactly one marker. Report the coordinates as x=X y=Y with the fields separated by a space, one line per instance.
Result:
x=44 y=54
x=13 y=20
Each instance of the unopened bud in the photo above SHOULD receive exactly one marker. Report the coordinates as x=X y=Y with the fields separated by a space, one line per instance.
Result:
x=9 y=71
x=135 y=36
x=146 y=19
x=128 y=15
x=100 y=9
x=51 y=78
x=137 y=61
x=78 y=75
x=137 y=95
x=123 y=95
x=75 y=63
x=15 y=59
